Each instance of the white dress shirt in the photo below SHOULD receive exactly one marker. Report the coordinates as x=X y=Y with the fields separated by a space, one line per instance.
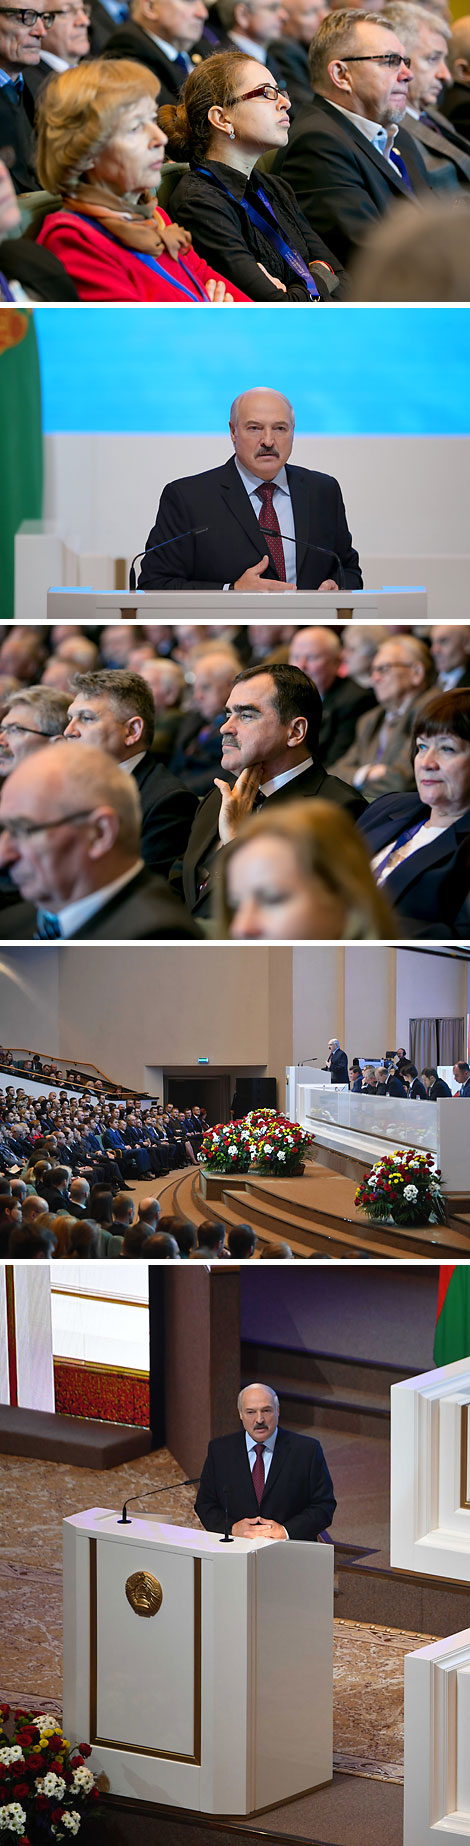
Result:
x=72 y=917
x=288 y=775
x=282 y=504
x=381 y=138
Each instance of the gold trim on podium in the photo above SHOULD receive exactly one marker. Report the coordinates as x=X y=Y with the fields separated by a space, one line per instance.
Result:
x=464 y=1499
x=115 y=1743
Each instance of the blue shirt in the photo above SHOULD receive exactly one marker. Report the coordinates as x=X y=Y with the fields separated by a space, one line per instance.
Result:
x=282 y=504
x=268 y=1447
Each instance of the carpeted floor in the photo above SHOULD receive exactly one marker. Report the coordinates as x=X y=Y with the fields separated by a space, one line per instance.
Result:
x=37 y=1495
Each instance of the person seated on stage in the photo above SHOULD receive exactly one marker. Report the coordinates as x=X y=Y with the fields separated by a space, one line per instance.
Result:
x=433 y=1085
x=230 y=114
x=251 y=516
x=32 y=717
x=241 y=1242
x=461 y=1072
x=196 y=755
x=355 y=1077
x=347 y=158
x=266 y=1479
x=455 y=103
x=379 y=758
x=113 y=711
x=413 y=1085
x=290 y=52
x=299 y=872
x=424 y=36
x=420 y=843
x=71 y=842
x=318 y=652
x=101 y=148
x=269 y=744
x=167 y=37
x=369 y=1080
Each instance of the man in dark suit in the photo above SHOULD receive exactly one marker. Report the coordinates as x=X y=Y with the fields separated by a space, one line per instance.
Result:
x=166 y=35
x=20 y=49
x=434 y=1085
x=347 y=159
x=269 y=752
x=454 y=103
x=196 y=756
x=301 y=21
x=337 y=1063
x=450 y=648
x=462 y=1076
x=424 y=37
x=273 y=1483
x=304 y=538
x=317 y=651
x=71 y=832
x=114 y=711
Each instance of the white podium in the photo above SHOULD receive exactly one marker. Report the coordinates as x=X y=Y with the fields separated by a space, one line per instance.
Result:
x=409 y=604
x=437 y=1757
x=430 y=1473
x=222 y=1700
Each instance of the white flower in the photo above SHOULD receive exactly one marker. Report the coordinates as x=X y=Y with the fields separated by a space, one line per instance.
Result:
x=46 y=1723
x=71 y=1820
x=83 y=1778
x=268 y=1148
x=13 y=1754
x=281 y=1155
x=51 y=1785
x=410 y=1192
x=12 y=1818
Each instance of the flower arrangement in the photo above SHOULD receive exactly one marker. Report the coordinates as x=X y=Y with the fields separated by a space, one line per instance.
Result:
x=264 y=1139
x=45 y=1787
x=404 y=1187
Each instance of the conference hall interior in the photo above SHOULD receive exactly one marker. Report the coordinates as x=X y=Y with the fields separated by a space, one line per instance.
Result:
x=113 y=1383
x=255 y=1102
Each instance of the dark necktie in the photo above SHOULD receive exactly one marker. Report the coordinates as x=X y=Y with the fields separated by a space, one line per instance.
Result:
x=270 y=521
x=48 y=926
x=183 y=64
x=258 y=1472
x=397 y=161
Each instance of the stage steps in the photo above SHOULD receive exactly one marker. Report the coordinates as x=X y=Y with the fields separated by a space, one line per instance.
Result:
x=82 y=1442
x=302 y=1214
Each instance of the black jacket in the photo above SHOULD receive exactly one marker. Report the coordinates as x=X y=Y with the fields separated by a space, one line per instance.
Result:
x=438 y=1088
x=145 y=910
x=340 y=181
x=204 y=837
x=292 y=63
x=446 y=155
x=432 y=885
x=232 y=541
x=38 y=270
x=132 y=41
x=455 y=105
x=168 y=811
x=298 y=1493
x=16 y=131
x=223 y=233
x=342 y=705
x=338 y=1067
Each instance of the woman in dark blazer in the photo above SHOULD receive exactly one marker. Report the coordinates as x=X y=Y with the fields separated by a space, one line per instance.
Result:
x=230 y=113
x=420 y=844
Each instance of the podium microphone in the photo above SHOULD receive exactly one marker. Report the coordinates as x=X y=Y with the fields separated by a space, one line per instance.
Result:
x=227 y=1538
x=192 y=532
x=303 y=1061
x=332 y=556
x=168 y=1487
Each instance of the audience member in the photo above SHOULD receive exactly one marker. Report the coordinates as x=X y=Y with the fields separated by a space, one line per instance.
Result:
x=196 y=755
x=20 y=48
x=299 y=871
x=450 y=648
x=210 y=1240
x=455 y=103
x=113 y=711
x=290 y=52
x=397 y=260
x=162 y=1247
x=241 y=1242
x=318 y=652
x=167 y=686
x=66 y=41
x=185 y=1234
x=167 y=51
x=420 y=843
x=424 y=36
x=273 y=1253
x=379 y=761
x=32 y=717
x=30 y=1242
x=347 y=157
x=230 y=114
x=250 y=25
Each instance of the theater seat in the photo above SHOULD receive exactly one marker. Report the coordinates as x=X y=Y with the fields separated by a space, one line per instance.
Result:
x=171 y=173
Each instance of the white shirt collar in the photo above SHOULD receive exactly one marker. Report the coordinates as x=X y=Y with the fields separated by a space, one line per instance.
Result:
x=269 y=788
x=56 y=64
x=171 y=51
x=268 y=1444
x=252 y=481
x=381 y=138
x=249 y=45
x=131 y=762
x=73 y=916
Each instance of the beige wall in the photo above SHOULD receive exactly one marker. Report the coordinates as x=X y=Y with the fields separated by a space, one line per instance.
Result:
x=29 y=1003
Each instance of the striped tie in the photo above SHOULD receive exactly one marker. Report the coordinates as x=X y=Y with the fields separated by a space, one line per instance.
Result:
x=48 y=926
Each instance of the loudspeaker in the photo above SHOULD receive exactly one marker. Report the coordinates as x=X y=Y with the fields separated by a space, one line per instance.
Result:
x=254 y=1093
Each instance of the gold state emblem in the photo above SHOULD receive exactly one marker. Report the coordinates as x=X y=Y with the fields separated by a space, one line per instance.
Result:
x=144 y=1593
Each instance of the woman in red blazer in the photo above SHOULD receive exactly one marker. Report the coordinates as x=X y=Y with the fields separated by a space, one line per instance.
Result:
x=101 y=149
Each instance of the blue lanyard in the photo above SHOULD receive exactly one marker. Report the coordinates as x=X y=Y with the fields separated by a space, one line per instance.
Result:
x=408 y=833
x=197 y=288
x=290 y=256
x=5 y=291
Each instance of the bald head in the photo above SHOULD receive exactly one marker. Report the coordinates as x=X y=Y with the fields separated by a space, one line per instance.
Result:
x=214 y=673
x=317 y=651
x=166 y=680
x=459 y=50
x=71 y=824
x=262 y=430
x=258 y=1409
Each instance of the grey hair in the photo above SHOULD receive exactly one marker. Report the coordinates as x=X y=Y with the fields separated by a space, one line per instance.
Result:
x=238 y=400
x=50 y=705
x=261 y=1387
x=407 y=18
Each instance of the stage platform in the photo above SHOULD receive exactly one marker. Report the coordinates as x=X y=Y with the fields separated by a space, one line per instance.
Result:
x=315 y=1214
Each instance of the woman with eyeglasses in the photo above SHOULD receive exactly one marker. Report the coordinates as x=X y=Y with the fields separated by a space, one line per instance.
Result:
x=101 y=148
x=230 y=113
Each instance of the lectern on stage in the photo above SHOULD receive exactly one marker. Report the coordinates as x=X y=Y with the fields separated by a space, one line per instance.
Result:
x=200 y=1672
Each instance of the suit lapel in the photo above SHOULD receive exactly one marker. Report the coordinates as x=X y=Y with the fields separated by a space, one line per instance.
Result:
x=238 y=506
x=278 y=1463
x=385 y=167
x=298 y=483
x=440 y=143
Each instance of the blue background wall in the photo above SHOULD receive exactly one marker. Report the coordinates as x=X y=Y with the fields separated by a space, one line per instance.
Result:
x=348 y=371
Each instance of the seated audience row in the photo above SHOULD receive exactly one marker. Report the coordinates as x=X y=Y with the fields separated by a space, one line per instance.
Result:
x=295 y=150
x=102 y=840
x=89 y=1224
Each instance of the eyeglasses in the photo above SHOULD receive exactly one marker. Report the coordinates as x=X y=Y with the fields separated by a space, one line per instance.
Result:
x=269 y=90
x=61 y=12
x=24 y=829
x=392 y=58
x=19 y=730
x=26 y=16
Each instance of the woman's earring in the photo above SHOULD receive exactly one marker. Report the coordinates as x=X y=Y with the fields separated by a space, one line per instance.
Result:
x=232 y=134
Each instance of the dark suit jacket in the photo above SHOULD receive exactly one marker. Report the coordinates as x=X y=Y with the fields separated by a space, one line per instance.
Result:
x=168 y=811
x=339 y=1068
x=132 y=41
x=213 y=204
x=340 y=181
x=146 y=910
x=342 y=705
x=196 y=756
x=16 y=131
x=233 y=542
x=292 y=63
x=298 y=1492
x=446 y=155
x=38 y=270
x=101 y=26
x=465 y=1091
x=204 y=835
x=455 y=105
x=438 y=1088
x=432 y=885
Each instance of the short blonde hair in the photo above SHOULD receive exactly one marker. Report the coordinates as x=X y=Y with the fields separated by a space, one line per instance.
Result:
x=328 y=847
x=78 y=112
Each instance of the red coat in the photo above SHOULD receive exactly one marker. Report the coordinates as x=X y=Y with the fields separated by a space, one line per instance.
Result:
x=105 y=270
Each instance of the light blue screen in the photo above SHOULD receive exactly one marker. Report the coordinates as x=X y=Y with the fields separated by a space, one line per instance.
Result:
x=348 y=371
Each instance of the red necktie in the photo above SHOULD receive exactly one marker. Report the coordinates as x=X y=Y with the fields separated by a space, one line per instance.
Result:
x=258 y=1472
x=269 y=519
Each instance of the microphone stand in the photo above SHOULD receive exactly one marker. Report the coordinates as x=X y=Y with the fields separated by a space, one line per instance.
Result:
x=168 y=1487
x=227 y=1538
